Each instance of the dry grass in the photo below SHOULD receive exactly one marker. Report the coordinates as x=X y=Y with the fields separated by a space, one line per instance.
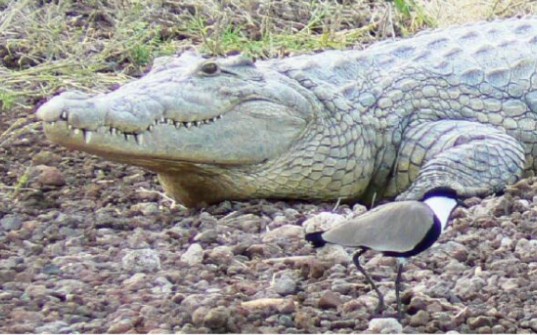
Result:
x=49 y=46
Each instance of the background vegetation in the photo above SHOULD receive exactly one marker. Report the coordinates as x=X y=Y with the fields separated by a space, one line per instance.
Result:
x=47 y=46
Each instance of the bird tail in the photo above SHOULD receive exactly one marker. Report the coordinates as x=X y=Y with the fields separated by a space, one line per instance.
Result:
x=316 y=239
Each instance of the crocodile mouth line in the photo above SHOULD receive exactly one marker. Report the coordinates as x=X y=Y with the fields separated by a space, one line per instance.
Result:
x=138 y=137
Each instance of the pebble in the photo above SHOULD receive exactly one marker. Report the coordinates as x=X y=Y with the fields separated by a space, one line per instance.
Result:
x=216 y=318
x=533 y=324
x=467 y=288
x=322 y=222
x=286 y=232
x=141 y=260
x=146 y=208
x=207 y=236
x=385 y=326
x=11 y=222
x=121 y=326
x=48 y=175
x=162 y=286
x=54 y=327
x=135 y=282
x=193 y=255
x=329 y=300
x=526 y=250
x=264 y=303
x=285 y=285
x=222 y=254
x=334 y=253
x=419 y=319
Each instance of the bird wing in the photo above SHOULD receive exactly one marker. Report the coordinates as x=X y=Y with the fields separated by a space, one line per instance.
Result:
x=397 y=227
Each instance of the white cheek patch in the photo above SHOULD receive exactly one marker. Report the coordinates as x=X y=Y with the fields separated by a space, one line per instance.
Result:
x=442 y=208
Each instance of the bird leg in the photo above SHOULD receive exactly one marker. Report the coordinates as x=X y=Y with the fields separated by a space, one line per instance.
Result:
x=398 y=288
x=356 y=260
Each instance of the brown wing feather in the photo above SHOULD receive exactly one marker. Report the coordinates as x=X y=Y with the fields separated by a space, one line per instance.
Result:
x=396 y=226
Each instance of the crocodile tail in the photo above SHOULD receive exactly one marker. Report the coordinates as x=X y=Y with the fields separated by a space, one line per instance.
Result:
x=316 y=239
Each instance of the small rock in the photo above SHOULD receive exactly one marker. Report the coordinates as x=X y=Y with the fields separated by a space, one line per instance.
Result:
x=334 y=253
x=191 y=302
x=135 y=282
x=162 y=286
x=142 y=260
x=329 y=300
x=53 y=327
x=419 y=319
x=533 y=324
x=342 y=286
x=526 y=250
x=207 y=236
x=199 y=315
x=285 y=232
x=11 y=222
x=484 y=330
x=479 y=321
x=468 y=288
x=71 y=286
x=138 y=239
x=287 y=307
x=286 y=321
x=285 y=285
x=45 y=158
x=499 y=329
x=216 y=318
x=120 y=327
x=36 y=290
x=385 y=326
x=222 y=254
x=48 y=175
x=322 y=222
x=146 y=208
x=193 y=255
x=510 y=285
x=264 y=303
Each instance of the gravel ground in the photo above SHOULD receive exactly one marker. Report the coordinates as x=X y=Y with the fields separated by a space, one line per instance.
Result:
x=91 y=246
x=85 y=247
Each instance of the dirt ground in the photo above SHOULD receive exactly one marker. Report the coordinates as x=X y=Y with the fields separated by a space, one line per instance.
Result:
x=92 y=246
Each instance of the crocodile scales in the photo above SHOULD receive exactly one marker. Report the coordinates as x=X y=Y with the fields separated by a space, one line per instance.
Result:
x=450 y=108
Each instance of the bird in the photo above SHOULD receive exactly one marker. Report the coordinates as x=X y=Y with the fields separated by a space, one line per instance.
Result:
x=400 y=229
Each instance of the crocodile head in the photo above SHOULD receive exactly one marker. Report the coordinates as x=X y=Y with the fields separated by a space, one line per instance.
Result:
x=209 y=127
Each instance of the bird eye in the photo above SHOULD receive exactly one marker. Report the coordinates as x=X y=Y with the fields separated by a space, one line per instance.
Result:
x=209 y=68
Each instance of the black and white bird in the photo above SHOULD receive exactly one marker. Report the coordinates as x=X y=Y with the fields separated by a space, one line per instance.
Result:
x=399 y=229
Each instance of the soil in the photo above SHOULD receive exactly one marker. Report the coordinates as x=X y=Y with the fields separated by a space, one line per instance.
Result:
x=91 y=246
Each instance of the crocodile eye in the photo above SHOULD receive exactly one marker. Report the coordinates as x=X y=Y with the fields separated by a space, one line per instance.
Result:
x=209 y=68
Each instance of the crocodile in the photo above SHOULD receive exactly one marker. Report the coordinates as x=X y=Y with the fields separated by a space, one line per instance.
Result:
x=450 y=108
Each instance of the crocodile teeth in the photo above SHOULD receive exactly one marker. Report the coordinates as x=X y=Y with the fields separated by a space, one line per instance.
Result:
x=76 y=131
x=64 y=115
x=150 y=128
x=69 y=127
x=139 y=138
x=170 y=122
x=87 y=136
x=188 y=124
x=162 y=120
x=113 y=131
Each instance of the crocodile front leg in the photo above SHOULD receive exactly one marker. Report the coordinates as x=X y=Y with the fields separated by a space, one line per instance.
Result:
x=468 y=157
